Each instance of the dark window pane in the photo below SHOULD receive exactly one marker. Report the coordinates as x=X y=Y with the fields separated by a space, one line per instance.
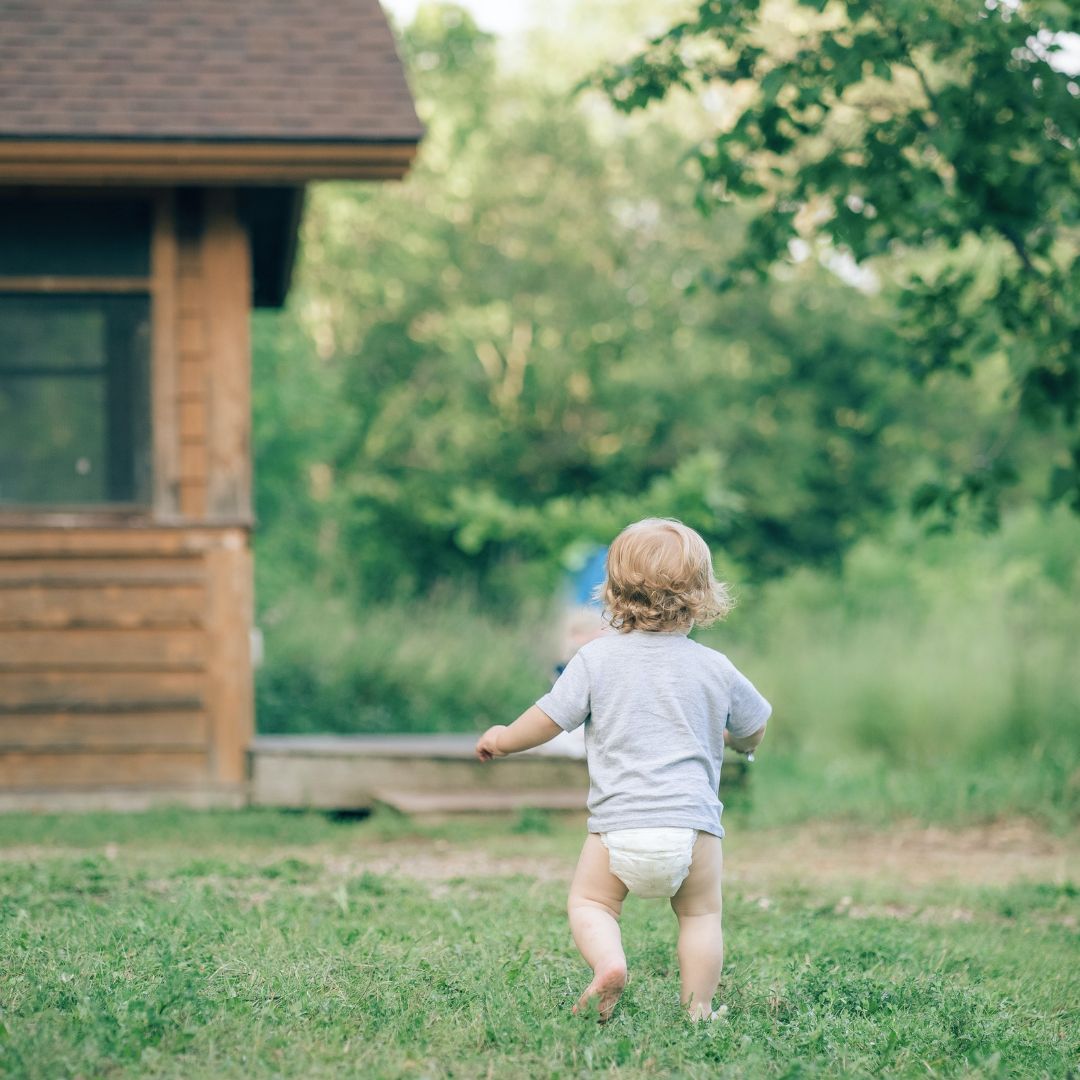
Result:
x=73 y=342
x=72 y=237
x=74 y=399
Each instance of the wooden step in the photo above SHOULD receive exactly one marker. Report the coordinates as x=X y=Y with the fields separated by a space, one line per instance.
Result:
x=436 y=773
x=479 y=802
x=341 y=772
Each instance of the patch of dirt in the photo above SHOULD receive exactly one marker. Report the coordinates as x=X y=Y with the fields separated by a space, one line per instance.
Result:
x=917 y=855
x=832 y=855
x=444 y=862
x=814 y=854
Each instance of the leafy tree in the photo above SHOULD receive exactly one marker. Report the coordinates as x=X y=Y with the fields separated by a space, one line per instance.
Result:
x=504 y=356
x=935 y=140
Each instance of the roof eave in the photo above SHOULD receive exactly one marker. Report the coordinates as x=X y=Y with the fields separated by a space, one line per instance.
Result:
x=247 y=161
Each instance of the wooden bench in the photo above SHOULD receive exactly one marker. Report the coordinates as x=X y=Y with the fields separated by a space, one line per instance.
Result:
x=420 y=774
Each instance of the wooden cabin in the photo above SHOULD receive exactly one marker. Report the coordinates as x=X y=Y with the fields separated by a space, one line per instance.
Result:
x=153 y=157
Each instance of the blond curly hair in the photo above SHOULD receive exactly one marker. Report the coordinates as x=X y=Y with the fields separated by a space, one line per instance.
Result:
x=660 y=578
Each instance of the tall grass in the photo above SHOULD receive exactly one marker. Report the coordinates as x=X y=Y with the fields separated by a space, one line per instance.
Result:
x=953 y=662
x=255 y=945
x=957 y=646
x=949 y=661
x=437 y=666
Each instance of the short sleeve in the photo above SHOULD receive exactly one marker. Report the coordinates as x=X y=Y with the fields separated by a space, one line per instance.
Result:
x=567 y=703
x=749 y=710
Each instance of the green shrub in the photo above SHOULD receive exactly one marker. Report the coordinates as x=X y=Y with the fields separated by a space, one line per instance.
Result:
x=408 y=668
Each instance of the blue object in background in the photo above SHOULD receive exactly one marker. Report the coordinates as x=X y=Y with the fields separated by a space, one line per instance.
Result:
x=583 y=582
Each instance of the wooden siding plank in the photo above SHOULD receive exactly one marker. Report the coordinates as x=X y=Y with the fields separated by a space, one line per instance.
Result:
x=134 y=606
x=113 y=650
x=20 y=769
x=135 y=730
x=52 y=691
x=75 y=571
x=113 y=542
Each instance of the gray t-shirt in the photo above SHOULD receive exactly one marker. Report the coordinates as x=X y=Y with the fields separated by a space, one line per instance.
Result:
x=654 y=706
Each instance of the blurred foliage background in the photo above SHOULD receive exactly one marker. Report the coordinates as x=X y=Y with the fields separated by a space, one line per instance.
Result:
x=539 y=336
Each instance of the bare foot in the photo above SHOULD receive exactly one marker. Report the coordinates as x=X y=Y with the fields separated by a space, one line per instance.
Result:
x=607 y=987
x=699 y=1012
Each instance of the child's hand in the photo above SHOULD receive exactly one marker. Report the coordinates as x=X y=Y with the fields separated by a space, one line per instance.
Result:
x=487 y=746
x=746 y=744
x=738 y=749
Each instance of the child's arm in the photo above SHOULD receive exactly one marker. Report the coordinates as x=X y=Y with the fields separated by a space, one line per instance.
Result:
x=530 y=729
x=747 y=743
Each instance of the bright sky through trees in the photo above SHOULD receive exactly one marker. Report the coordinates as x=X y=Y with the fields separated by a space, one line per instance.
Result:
x=495 y=16
x=506 y=17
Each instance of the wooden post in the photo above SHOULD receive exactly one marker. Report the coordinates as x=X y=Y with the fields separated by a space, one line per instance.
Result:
x=227 y=281
x=163 y=374
x=229 y=681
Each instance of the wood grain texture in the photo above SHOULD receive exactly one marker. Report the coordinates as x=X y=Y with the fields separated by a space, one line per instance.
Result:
x=230 y=694
x=192 y=417
x=227 y=283
x=122 y=650
x=194 y=310
x=194 y=461
x=72 y=571
x=163 y=361
x=105 y=731
x=136 y=768
x=135 y=605
x=57 y=691
x=191 y=330
x=113 y=542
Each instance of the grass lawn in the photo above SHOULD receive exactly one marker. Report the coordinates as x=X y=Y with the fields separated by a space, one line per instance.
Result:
x=263 y=944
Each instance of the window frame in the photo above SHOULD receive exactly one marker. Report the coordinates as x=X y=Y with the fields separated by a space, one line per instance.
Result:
x=158 y=287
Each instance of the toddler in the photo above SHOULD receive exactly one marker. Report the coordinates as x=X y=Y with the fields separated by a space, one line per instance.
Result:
x=658 y=710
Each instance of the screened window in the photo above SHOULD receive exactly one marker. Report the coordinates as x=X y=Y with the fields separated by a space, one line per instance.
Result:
x=74 y=399
x=74 y=352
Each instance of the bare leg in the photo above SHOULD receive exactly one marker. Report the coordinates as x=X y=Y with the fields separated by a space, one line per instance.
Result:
x=699 y=906
x=594 y=906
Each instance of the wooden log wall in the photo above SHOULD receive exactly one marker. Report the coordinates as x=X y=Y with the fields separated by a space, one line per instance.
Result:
x=203 y=293
x=124 y=660
x=125 y=639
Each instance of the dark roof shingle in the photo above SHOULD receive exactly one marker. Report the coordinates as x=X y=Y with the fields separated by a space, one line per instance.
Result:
x=205 y=70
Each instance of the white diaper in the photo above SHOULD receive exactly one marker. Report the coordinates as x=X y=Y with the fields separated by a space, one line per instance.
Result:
x=650 y=862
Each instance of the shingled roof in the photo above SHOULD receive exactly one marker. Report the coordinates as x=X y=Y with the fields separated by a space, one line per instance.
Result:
x=293 y=71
